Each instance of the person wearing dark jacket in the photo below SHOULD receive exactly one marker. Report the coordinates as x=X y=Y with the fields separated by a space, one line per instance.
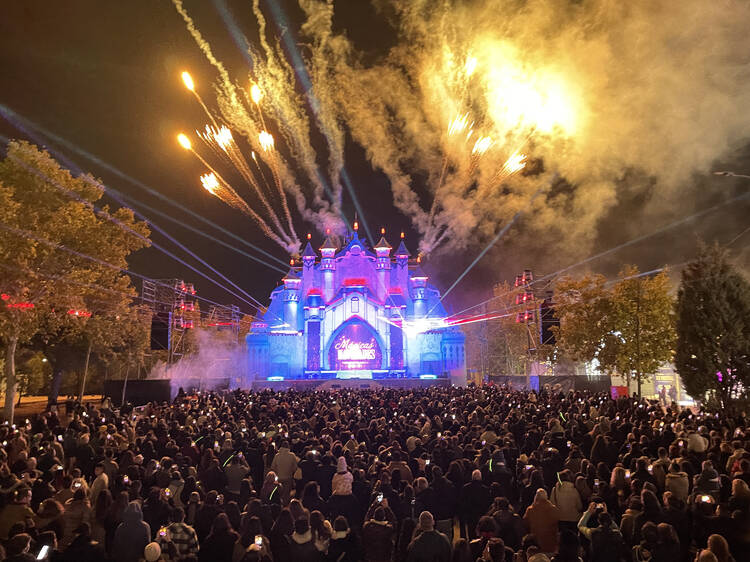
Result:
x=475 y=500
x=131 y=536
x=207 y=514
x=509 y=524
x=302 y=546
x=219 y=544
x=428 y=545
x=378 y=536
x=607 y=544
x=82 y=548
x=344 y=545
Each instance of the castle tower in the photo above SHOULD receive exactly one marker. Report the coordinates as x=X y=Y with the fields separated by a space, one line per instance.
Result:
x=291 y=298
x=383 y=265
x=402 y=266
x=328 y=267
x=418 y=280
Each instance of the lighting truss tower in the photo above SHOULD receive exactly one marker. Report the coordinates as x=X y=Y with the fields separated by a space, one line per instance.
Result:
x=169 y=300
x=225 y=318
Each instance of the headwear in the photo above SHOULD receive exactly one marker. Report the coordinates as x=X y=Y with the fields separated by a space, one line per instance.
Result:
x=341 y=465
x=195 y=497
x=152 y=552
x=426 y=521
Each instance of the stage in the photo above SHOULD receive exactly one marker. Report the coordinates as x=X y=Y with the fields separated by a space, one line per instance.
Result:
x=352 y=384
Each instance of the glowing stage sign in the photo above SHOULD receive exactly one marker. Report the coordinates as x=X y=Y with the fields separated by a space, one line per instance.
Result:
x=355 y=348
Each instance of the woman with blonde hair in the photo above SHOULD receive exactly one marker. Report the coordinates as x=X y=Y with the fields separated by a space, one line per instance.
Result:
x=719 y=546
x=740 y=498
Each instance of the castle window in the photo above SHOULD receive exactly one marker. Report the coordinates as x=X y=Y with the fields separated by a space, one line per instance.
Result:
x=355 y=305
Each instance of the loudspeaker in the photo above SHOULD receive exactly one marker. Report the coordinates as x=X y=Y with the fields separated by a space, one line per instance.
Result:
x=161 y=331
x=547 y=321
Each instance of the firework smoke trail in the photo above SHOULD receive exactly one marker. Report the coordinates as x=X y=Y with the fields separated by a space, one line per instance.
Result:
x=218 y=186
x=591 y=105
x=223 y=142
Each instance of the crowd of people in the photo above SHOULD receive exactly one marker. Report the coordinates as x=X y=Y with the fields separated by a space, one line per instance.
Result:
x=439 y=474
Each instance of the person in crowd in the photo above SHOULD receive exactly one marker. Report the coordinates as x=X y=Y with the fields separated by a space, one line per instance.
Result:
x=542 y=519
x=429 y=545
x=186 y=475
x=219 y=544
x=131 y=536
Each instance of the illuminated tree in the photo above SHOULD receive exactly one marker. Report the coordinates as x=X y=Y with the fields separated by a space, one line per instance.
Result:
x=712 y=354
x=58 y=253
x=627 y=328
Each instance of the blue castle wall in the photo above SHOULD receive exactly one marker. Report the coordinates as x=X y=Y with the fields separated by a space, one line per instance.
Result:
x=355 y=312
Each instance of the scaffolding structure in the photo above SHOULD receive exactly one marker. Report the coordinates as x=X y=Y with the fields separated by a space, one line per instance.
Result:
x=169 y=300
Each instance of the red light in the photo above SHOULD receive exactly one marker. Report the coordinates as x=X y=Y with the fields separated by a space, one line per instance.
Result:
x=80 y=313
x=21 y=305
x=355 y=282
x=5 y=297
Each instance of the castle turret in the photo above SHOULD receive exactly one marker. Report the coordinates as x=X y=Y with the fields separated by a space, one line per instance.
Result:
x=383 y=265
x=418 y=280
x=328 y=266
x=402 y=265
x=291 y=298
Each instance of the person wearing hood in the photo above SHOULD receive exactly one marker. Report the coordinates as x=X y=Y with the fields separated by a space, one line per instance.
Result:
x=542 y=519
x=131 y=536
x=77 y=511
x=677 y=482
x=474 y=502
x=341 y=483
x=302 y=546
x=344 y=545
x=17 y=510
x=567 y=499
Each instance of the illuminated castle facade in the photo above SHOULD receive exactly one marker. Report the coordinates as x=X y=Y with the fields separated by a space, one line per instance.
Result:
x=355 y=312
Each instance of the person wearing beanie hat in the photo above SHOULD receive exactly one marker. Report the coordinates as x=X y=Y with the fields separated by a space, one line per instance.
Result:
x=341 y=483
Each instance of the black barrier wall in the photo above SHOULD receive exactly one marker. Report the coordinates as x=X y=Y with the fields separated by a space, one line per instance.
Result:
x=137 y=392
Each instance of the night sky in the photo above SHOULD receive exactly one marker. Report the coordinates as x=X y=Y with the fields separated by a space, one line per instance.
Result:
x=106 y=77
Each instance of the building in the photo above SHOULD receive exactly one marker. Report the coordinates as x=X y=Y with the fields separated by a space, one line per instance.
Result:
x=355 y=313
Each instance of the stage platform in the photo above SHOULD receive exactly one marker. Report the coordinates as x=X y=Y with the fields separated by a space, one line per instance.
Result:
x=338 y=384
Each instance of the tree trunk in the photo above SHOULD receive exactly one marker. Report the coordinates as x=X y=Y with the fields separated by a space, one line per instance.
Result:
x=85 y=373
x=10 y=378
x=125 y=385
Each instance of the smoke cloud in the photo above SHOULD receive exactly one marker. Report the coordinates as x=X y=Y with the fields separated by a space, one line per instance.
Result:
x=218 y=361
x=615 y=98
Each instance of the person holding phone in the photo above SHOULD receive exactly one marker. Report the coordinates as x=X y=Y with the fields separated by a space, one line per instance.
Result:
x=178 y=536
x=606 y=540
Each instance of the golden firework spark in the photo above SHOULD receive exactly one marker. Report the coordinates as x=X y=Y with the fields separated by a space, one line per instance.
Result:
x=266 y=140
x=256 y=94
x=184 y=141
x=458 y=124
x=470 y=66
x=188 y=81
x=515 y=163
x=210 y=183
x=223 y=137
x=481 y=146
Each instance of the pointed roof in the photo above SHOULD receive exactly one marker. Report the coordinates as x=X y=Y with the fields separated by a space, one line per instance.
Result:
x=328 y=244
x=291 y=275
x=418 y=273
x=383 y=244
x=401 y=251
x=308 y=252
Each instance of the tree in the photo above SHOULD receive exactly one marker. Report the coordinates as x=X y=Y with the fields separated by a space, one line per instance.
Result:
x=644 y=316
x=712 y=354
x=58 y=252
x=628 y=328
